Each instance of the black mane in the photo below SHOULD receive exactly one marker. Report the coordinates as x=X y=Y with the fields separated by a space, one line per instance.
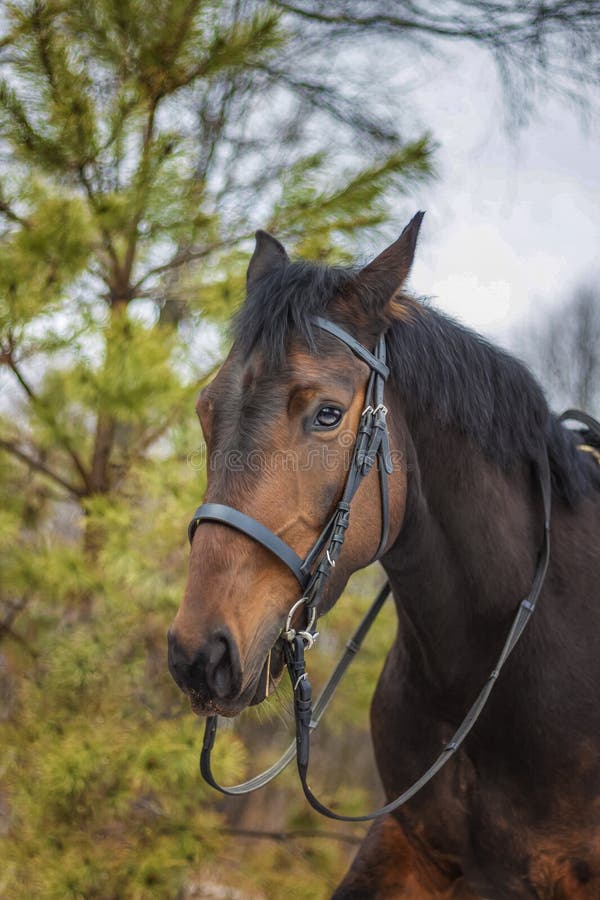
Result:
x=442 y=368
x=281 y=303
x=458 y=377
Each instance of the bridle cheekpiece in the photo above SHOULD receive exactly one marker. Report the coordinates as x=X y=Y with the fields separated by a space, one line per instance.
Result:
x=371 y=447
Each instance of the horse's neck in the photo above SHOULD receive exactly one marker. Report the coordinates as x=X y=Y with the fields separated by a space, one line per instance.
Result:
x=466 y=553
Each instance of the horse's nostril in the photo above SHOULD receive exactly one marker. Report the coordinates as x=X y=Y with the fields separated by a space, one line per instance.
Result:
x=214 y=672
x=221 y=671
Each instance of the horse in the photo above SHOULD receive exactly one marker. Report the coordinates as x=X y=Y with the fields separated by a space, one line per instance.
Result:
x=516 y=812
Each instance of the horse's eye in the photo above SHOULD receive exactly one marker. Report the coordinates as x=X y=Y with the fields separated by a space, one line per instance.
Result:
x=328 y=417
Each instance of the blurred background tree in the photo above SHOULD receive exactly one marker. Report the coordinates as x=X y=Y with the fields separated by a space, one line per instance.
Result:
x=562 y=346
x=141 y=145
x=537 y=48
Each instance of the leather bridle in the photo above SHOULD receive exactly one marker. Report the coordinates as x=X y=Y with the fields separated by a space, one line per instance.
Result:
x=371 y=448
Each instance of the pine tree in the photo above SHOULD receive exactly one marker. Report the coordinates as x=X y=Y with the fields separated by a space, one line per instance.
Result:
x=139 y=155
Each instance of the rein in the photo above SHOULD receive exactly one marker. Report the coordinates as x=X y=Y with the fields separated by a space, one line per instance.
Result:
x=371 y=449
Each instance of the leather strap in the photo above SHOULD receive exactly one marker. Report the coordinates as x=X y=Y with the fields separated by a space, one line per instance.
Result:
x=371 y=448
x=357 y=348
x=302 y=689
x=323 y=701
x=576 y=415
x=227 y=515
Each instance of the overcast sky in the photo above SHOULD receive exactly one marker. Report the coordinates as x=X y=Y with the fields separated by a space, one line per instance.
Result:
x=513 y=221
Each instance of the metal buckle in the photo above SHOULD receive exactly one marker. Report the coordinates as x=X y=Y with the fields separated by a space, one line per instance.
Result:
x=308 y=637
x=587 y=448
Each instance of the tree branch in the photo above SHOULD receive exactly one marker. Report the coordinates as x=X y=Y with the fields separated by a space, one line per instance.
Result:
x=6 y=627
x=9 y=212
x=322 y=96
x=103 y=444
x=142 y=177
x=106 y=238
x=528 y=40
x=9 y=631
x=188 y=254
x=9 y=360
x=377 y=21
x=38 y=466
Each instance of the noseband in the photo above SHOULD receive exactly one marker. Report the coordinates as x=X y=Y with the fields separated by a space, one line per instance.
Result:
x=371 y=447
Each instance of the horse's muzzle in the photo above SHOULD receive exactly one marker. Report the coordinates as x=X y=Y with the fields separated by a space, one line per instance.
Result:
x=213 y=674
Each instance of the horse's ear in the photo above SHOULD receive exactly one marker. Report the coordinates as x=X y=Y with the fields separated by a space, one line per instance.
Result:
x=268 y=254
x=383 y=278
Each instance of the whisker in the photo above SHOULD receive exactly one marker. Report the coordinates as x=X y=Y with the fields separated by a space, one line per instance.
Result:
x=284 y=706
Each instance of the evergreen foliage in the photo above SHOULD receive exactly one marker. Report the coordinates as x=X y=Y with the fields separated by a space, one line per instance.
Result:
x=142 y=143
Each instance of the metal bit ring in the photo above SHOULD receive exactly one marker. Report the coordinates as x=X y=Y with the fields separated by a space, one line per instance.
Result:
x=289 y=633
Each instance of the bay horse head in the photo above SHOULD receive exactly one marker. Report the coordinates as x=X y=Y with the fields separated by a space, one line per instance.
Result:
x=280 y=421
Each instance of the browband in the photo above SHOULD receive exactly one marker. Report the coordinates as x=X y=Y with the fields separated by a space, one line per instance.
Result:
x=377 y=364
